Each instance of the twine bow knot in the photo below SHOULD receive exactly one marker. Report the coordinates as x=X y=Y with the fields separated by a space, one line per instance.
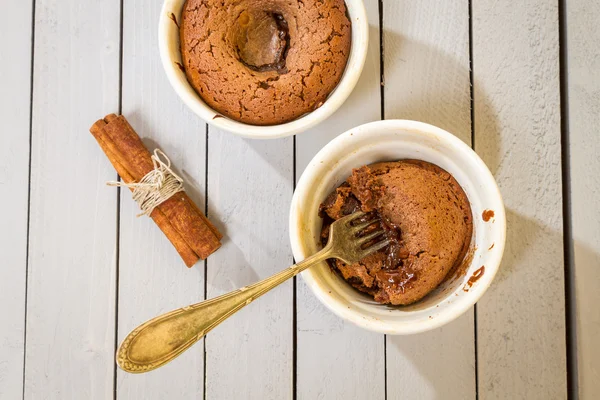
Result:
x=156 y=186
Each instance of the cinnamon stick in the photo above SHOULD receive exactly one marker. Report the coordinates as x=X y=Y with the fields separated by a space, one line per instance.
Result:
x=186 y=227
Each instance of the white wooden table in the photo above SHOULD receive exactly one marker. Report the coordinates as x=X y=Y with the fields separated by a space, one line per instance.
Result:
x=518 y=80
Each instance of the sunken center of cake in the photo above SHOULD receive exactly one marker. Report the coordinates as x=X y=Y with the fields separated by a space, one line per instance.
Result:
x=262 y=40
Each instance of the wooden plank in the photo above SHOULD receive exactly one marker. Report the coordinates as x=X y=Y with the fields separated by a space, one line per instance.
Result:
x=336 y=359
x=426 y=68
x=583 y=48
x=71 y=282
x=15 y=40
x=153 y=279
x=249 y=192
x=521 y=319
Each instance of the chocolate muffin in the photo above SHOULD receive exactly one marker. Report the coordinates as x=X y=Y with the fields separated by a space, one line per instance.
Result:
x=264 y=62
x=424 y=213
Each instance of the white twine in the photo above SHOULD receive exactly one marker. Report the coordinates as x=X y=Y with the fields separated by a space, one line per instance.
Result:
x=156 y=186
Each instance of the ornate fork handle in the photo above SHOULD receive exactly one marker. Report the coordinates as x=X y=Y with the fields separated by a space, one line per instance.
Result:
x=161 y=339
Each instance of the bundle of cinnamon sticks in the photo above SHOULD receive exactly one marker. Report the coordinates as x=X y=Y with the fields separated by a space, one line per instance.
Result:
x=178 y=217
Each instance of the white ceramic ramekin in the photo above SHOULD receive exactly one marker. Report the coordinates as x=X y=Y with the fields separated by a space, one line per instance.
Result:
x=389 y=141
x=170 y=54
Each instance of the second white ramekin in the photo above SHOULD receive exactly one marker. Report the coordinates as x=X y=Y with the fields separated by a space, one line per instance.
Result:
x=389 y=141
x=170 y=54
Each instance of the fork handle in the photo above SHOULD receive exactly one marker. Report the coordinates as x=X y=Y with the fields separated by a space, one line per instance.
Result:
x=163 y=338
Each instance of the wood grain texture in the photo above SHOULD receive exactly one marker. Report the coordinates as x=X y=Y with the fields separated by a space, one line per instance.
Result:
x=249 y=192
x=72 y=251
x=426 y=69
x=71 y=282
x=336 y=359
x=426 y=63
x=521 y=319
x=14 y=189
x=583 y=47
x=153 y=278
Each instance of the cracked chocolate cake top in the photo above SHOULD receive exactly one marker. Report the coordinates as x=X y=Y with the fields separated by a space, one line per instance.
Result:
x=264 y=62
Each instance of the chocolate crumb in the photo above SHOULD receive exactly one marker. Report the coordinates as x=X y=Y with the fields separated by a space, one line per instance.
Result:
x=180 y=66
x=474 y=278
x=487 y=215
x=174 y=19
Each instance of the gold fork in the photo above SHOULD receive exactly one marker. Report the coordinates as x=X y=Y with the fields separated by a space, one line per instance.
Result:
x=161 y=339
